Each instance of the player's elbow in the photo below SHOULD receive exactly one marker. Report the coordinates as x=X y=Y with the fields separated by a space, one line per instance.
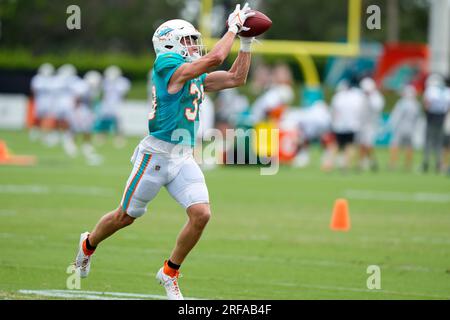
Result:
x=242 y=81
x=239 y=81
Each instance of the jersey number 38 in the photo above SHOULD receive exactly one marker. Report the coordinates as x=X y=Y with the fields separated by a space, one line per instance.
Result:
x=190 y=112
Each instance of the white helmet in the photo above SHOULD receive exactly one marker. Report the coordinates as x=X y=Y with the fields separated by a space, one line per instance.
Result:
x=168 y=38
x=434 y=80
x=46 y=70
x=67 y=70
x=409 y=91
x=93 y=78
x=112 y=73
x=368 y=84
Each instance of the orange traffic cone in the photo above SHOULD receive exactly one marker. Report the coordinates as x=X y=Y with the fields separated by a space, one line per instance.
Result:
x=4 y=153
x=7 y=158
x=340 y=220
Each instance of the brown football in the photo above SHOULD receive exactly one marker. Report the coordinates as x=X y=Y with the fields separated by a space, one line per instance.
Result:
x=258 y=24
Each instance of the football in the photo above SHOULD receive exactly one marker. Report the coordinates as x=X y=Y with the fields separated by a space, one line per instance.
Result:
x=258 y=24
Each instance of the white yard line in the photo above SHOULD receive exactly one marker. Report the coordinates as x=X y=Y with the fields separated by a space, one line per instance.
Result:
x=59 y=189
x=119 y=171
x=397 y=196
x=7 y=213
x=96 y=295
x=69 y=295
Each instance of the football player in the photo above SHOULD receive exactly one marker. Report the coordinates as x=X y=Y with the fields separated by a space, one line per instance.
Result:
x=403 y=121
x=42 y=94
x=371 y=114
x=65 y=102
x=87 y=92
x=115 y=88
x=164 y=158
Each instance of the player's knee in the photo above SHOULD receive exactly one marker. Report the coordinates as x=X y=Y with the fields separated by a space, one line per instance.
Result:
x=122 y=218
x=202 y=218
x=200 y=215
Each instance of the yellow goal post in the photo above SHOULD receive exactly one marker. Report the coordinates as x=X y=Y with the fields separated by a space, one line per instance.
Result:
x=302 y=51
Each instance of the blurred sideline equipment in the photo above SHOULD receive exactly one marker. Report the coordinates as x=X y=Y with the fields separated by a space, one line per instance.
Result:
x=7 y=158
x=262 y=139
x=340 y=219
x=398 y=58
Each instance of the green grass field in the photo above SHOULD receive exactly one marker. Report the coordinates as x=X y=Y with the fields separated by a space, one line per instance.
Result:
x=269 y=237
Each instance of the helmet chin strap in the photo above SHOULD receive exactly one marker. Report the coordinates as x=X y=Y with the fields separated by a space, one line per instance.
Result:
x=194 y=56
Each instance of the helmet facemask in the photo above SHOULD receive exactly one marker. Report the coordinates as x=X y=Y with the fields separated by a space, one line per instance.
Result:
x=193 y=47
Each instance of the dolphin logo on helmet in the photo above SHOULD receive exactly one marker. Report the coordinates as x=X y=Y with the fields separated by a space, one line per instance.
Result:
x=169 y=36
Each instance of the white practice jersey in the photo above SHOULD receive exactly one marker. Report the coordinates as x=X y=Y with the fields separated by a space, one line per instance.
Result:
x=437 y=99
x=405 y=115
x=230 y=104
x=81 y=92
x=64 y=95
x=346 y=110
x=274 y=97
x=206 y=116
x=313 y=121
x=114 y=92
x=372 y=108
x=42 y=91
x=81 y=116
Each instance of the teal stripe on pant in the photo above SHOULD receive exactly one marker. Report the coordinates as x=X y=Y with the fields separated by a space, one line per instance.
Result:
x=135 y=181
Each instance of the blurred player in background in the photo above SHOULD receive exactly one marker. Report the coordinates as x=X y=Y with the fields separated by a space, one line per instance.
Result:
x=65 y=101
x=310 y=124
x=346 y=108
x=446 y=161
x=41 y=87
x=115 y=88
x=278 y=96
x=88 y=91
x=230 y=104
x=164 y=157
x=371 y=114
x=204 y=133
x=232 y=109
x=261 y=78
x=436 y=102
x=403 y=122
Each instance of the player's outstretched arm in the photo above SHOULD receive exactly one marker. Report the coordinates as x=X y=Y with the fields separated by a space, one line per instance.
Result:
x=237 y=75
x=216 y=56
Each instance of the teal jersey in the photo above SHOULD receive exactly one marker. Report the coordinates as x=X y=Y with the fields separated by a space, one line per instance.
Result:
x=174 y=117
